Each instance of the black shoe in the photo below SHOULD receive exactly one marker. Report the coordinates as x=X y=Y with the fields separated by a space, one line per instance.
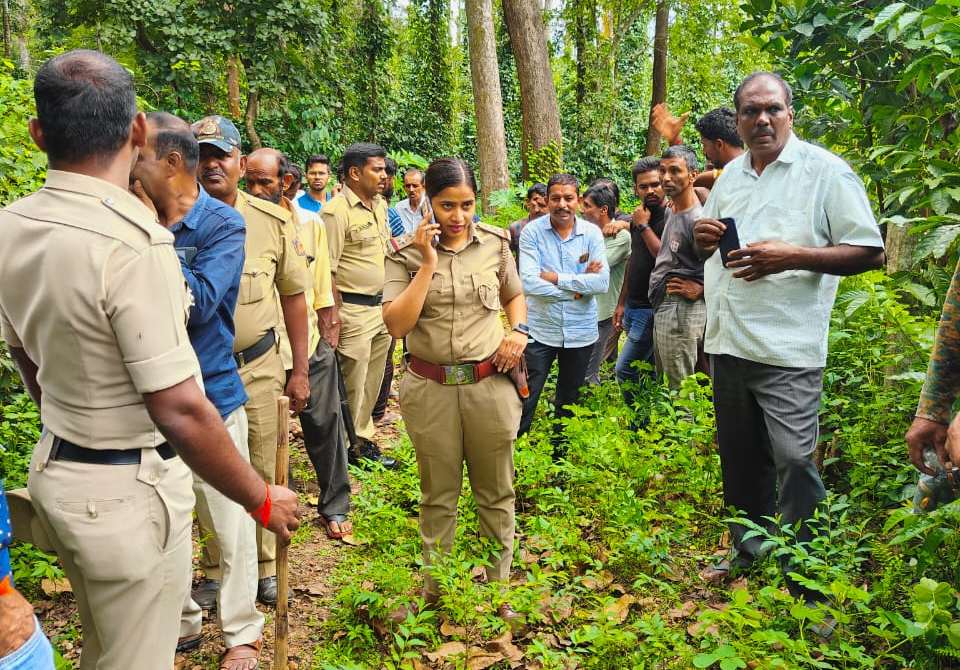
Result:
x=267 y=591
x=206 y=593
x=369 y=452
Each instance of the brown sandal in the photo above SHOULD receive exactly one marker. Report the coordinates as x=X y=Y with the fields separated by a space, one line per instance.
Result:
x=239 y=657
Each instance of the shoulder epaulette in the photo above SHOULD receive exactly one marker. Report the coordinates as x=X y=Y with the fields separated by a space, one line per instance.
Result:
x=495 y=230
x=276 y=211
x=401 y=242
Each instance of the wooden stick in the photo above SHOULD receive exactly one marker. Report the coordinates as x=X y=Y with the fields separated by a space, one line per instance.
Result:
x=283 y=460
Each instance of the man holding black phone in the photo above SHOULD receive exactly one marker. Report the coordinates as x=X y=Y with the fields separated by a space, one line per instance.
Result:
x=805 y=218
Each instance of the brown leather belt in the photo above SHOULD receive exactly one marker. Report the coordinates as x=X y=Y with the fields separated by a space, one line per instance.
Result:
x=453 y=375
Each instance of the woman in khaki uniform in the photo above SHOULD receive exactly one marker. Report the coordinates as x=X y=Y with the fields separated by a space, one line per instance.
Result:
x=445 y=286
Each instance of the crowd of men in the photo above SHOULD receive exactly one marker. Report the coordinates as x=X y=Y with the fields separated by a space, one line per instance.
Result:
x=201 y=303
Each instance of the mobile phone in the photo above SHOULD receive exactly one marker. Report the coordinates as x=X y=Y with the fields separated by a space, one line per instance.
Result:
x=729 y=240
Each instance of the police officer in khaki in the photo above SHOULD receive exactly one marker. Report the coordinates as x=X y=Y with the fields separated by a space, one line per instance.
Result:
x=457 y=404
x=271 y=267
x=357 y=233
x=93 y=309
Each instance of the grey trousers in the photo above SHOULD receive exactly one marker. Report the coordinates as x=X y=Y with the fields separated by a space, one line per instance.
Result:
x=599 y=352
x=767 y=429
x=323 y=432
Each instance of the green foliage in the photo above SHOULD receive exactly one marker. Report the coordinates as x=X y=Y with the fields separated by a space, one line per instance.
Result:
x=22 y=165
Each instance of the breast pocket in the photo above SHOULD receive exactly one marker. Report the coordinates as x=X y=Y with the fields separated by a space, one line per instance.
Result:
x=488 y=290
x=256 y=280
x=437 y=299
x=362 y=233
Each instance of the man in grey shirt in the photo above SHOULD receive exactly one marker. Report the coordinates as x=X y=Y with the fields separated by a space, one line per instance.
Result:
x=676 y=283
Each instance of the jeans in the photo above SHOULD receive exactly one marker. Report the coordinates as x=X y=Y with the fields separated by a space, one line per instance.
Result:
x=638 y=346
x=571 y=368
x=35 y=654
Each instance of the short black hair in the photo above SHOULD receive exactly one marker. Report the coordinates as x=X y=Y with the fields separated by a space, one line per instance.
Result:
x=563 y=179
x=720 y=124
x=297 y=173
x=317 y=158
x=283 y=167
x=612 y=185
x=684 y=152
x=645 y=164
x=446 y=172
x=603 y=196
x=391 y=167
x=787 y=91
x=86 y=103
x=174 y=134
x=538 y=188
x=357 y=155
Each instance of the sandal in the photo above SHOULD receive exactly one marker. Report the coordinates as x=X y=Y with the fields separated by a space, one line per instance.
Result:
x=721 y=573
x=240 y=657
x=189 y=642
x=339 y=519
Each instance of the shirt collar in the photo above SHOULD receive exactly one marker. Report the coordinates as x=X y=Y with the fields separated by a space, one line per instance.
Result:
x=98 y=188
x=789 y=154
x=192 y=219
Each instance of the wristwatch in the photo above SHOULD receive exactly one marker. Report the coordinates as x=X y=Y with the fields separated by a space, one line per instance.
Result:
x=522 y=328
x=643 y=227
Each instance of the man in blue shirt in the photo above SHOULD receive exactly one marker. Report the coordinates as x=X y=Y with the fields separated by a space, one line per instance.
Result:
x=562 y=266
x=209 y=238
x=318 y=174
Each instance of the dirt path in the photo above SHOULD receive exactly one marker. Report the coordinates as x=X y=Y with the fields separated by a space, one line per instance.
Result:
x=313 y=558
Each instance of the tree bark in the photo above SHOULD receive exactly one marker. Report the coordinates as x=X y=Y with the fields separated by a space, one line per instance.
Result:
x=538 y=96
x=487 y=100
x=250 y=119
x=233 y=88
x=7 y=41
x=659 y=94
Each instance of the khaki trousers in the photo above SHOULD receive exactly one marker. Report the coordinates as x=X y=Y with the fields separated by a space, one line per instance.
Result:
x=263 y=380
x=364 y=342
x=235 y=531
x=122 y=533
x=474 y=424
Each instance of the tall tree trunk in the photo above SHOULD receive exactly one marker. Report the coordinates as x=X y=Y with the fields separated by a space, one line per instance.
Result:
x=580 y=42
x=250 y=119
x=660 y=35
x=487 y=99
x=233 y=87
x=7 y=39
x=538 y=96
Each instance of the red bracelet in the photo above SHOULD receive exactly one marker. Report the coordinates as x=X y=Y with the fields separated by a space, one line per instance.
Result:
x=262 y=513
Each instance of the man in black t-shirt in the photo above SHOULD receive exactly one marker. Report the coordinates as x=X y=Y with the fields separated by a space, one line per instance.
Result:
x=634 y=313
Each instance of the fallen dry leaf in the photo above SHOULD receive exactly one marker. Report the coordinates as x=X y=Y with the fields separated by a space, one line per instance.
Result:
x=619 y=609
x=445 y=650
x=313 y=499
x=697 y=629
x=601 y=580
x=351 y=539
x=505 y=647
x=447 y=629
x=53 y=586
x=478 y=659
x=683 y=611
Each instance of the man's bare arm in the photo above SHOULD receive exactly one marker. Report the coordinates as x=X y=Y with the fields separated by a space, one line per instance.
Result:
x=28 y=373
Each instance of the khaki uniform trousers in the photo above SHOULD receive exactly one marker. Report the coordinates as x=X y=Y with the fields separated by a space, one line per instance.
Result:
x=235 y=531
x=122 y=533
x=363 y=346
x=450 y=425
x=263 y=380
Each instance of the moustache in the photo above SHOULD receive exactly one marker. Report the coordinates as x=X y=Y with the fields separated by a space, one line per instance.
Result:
x=212 y=173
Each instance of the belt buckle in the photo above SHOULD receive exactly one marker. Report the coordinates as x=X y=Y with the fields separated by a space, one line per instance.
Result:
x=457 y=374
x=239 y=358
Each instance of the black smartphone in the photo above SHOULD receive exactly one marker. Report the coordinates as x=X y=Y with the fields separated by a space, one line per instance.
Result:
x=729 y=240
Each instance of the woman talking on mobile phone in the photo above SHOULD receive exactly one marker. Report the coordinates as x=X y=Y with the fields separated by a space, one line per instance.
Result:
x=445 y=286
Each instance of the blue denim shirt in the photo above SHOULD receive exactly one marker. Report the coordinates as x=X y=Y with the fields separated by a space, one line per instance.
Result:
x=565 y=314
x=209 y=242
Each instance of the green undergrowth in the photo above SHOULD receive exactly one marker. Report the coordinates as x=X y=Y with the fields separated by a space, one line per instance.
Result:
x=611 y=539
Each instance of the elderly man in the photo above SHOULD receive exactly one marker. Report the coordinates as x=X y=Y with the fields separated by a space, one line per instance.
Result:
x=122 y=412
x=209 y=239
x=323 y=435
x=271 y=267
x=409 y=207
x=803 y=218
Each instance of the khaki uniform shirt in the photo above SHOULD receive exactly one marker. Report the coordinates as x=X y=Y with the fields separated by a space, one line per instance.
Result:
x=357 y=238
x=271 y=262
x=310 y=244
x=91 y=289
x=460 y=321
